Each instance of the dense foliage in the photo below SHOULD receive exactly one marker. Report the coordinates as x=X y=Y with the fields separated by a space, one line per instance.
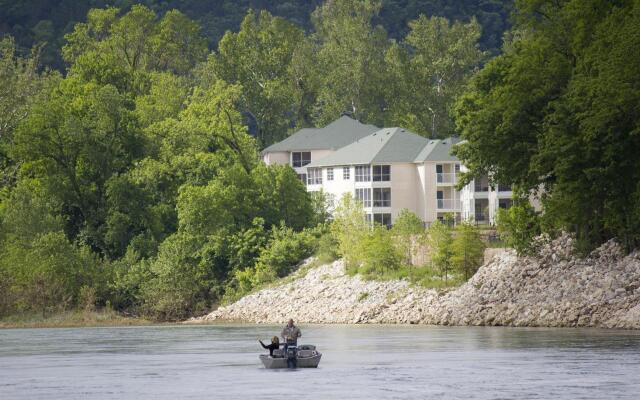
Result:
x=299 y=63
x=557 y=114
x=131 y=178
x=375 y=252
x=47 y=21
x=346 y=64
x=131 y=183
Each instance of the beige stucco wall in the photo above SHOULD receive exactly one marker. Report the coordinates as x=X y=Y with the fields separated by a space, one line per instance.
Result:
x=284 y=157
x=430 y=192
x=281 y=157
x=421 y=189
x=404 y=188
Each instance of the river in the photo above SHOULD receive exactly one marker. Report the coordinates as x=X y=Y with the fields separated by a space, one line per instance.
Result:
x=359 y=362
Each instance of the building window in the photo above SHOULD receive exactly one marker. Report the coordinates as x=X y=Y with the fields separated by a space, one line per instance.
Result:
x=303 y=178
x=300 y=158
x=481 y=184
x=457 y=168
x=329 y=174
x=330 y=201
x=314 y=176
x=382 y=197
x=368 y=218
x=505 y=203
x=381 y=173
x=363 y=173
x=504 y=188
x=346 y=173
x=382 y=219
x=364 y=196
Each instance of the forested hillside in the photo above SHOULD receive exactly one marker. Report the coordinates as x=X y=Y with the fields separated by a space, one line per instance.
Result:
x=36 y=21
x=131 y=177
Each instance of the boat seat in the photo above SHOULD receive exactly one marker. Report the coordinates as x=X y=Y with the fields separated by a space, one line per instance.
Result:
x=305 y=353
x=278 y=353
x=307 y=347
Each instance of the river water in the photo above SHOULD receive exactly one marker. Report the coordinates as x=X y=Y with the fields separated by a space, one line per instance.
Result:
x=358 y=362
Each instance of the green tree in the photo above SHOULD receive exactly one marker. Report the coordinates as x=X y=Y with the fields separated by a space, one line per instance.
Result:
x=284 y=198
x=467 y=250
x=20 y=81
x=380 y=255
x=440 y=243
x=351 y=60
x=306 y=78
x=180 y=283
x=428 y=72
x=556 y=112
x=46 y=21
x=258 y=58
x=48 y=272
x=167 y=97
x=518 y=225
x=286 y=248
x=407 y=229
x=76 y=137
x=350 y=228
x=120 y=50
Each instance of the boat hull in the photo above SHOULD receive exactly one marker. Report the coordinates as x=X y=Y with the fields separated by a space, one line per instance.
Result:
x=281 y=362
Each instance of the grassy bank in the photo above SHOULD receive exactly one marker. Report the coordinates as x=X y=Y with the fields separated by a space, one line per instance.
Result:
x=74 y=318
x=424 y=276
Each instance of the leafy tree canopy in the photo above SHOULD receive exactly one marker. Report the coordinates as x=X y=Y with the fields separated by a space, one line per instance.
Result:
x=557 y=113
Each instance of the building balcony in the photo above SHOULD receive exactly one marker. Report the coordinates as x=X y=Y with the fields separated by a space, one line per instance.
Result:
x=481 y=184
x=448 y=204
x=481 y=218
x=446 y=178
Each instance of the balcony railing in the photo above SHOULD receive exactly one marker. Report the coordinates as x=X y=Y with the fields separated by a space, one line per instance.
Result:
x=448 y=204
x=482 y=218
x=446 y=177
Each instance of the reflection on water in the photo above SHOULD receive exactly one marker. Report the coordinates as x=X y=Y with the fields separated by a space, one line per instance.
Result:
x=359 y=362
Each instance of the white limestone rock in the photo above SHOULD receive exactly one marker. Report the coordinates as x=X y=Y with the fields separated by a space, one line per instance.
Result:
x=554 y=288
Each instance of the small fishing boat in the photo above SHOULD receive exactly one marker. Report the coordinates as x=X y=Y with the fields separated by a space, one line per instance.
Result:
x=304 y=356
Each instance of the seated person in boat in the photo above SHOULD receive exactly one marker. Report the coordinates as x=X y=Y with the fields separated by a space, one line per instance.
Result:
x=290 y=334
x=275 y=345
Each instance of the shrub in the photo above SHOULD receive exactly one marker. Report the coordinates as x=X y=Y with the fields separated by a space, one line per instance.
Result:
x=467 y=250
x=49 y=272
x=283 y=252
x=286 y=249
x=380 y=255
x=406 y=227
x=350 y=229
x=87 y=298
x=327 y=248
x=180 y=283
x=518 y=225
x=439 y=238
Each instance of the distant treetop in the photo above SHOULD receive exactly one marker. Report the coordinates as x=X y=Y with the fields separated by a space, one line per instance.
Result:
x=37 y=21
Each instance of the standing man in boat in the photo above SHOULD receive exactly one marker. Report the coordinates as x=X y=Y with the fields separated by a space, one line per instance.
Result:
x=290 y=334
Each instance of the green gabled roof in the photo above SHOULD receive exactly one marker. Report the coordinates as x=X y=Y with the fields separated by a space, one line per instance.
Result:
x=438 y=150
x=337 y=134
x=388 y=145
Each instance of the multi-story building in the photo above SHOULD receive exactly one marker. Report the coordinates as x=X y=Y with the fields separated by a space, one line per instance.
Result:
x=387 y=170
x=310 y=144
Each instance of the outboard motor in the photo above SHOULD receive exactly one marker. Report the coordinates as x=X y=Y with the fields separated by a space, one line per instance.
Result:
x=292 y=356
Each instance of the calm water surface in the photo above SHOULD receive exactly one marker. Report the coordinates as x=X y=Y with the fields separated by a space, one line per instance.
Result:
x=359 y=362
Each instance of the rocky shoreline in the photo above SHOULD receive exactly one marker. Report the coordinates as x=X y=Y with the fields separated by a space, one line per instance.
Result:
x=553 y=289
